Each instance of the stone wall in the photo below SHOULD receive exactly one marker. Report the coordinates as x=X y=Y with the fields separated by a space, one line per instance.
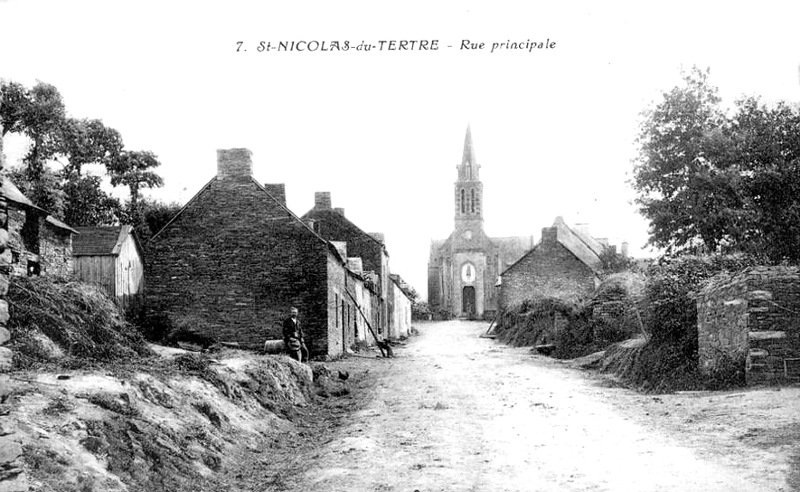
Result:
x=5 y=271
x=752 y=319
x=50 y=246
x=234 y=261
x=549 y=270
x=55 y=251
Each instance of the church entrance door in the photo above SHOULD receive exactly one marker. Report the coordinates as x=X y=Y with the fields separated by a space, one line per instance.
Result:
x=468 y=300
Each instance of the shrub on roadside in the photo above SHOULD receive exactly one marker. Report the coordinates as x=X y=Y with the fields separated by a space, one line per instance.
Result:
x=668 y=360
x=536 y=321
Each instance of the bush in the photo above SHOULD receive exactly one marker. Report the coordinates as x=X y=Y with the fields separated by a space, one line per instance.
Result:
x=535 y=321
x=668 y=360
x=670 y=299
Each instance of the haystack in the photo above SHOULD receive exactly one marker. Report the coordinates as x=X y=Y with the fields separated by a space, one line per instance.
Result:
x=56 y=320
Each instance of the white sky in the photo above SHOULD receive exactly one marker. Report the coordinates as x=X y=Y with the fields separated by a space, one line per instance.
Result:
x=383 y=131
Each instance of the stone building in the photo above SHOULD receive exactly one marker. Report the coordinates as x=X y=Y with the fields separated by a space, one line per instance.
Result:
x=463 y=269
x=112 y=258
x=234 y=260
x=332 y=224
x=564 y=264
x=39 y=243
x=750 y=323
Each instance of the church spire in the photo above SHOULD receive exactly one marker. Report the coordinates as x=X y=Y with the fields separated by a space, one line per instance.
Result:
x=468 y=170
x=469 y=190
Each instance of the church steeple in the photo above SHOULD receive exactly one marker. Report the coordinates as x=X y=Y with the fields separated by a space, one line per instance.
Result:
x=468 y=190
x=468 y=170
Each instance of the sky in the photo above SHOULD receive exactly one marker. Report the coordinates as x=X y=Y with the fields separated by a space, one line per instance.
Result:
x=383 y=130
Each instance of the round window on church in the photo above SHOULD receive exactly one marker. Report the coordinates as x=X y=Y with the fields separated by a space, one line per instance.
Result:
x=468 y=273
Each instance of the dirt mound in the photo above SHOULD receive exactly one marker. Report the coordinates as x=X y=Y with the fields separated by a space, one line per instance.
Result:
x=187 y=422
x=71 y=322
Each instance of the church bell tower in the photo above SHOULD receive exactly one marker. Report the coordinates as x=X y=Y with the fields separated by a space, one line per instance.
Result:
x=468 y=193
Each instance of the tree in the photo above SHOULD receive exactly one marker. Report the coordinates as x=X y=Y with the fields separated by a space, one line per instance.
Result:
x=14 y=103
x=37 y=113
x=686 y=177
x=87 y=204
x=134 y=169
x=156 y=215
x=724 y=182
x=613 y=262
x=767 y=146
x=83 y=141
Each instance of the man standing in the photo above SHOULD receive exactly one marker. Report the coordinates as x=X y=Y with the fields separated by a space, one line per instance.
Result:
x=293 y=337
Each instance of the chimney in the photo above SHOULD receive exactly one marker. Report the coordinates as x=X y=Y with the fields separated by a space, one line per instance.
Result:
x=278 y=191
x=624 y=249
x=339 y=210
x=322 y=200
x=234 y=163
x=549 y=235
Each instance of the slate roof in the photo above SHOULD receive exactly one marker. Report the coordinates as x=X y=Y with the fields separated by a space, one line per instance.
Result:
x=402 y=285
x=333 y=215
x=9 y=190
x=100 y=241
x=289 y=215
x=584 y=247
x=57 y=223
x=579 y=245
x=12 y=193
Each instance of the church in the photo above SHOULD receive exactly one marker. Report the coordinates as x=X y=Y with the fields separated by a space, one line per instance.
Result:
x=463 y=270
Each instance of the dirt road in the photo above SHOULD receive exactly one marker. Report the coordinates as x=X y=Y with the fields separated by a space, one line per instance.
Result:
x=455 y=412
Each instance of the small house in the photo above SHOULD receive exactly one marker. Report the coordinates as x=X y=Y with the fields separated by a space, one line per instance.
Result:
x=112 y=258
x=40 y=244
x=235 y=259
x=565 y=264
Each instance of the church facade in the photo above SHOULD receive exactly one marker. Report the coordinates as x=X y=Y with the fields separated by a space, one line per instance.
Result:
x=463 y=270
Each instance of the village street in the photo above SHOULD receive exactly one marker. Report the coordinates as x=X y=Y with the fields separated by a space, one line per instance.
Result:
x=456 y=412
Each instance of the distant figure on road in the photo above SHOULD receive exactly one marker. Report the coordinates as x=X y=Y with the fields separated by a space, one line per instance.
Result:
x=293 y=337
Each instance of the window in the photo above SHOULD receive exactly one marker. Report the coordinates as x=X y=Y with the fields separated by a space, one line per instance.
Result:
x=463 y=205
x=472 y=201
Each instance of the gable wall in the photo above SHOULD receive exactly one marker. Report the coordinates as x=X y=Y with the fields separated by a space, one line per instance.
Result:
x=233 y=263
x=550 y=270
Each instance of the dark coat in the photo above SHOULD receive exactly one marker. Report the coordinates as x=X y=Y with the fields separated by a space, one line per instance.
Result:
x=292 y=333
